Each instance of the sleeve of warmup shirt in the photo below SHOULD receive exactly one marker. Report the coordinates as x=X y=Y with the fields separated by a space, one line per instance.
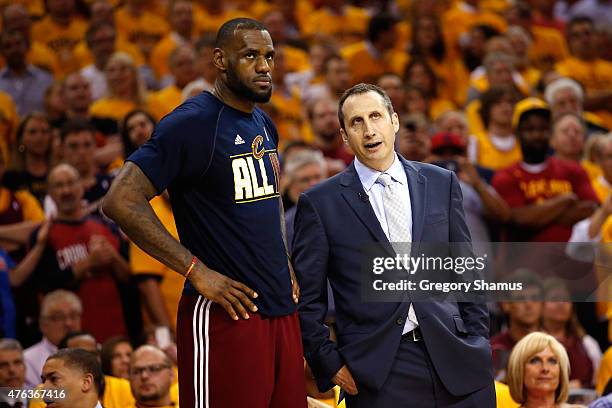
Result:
x=179 y=149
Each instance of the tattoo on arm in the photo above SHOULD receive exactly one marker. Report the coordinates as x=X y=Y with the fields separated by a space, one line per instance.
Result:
x=127 y=203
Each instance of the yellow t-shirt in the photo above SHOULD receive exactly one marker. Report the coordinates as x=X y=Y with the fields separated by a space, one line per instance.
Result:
x=593 y=170
x=296 y=59
x=144 y=31
x=207 y=23
x=605 y=371
x=162 y=102
x=348 y=28
x=365 y=67
x=594 y=75
x=9 y=121
x=160 y=54
x=113 y=108
x=439 y=106
x=490 y=156
x=286 y=111
x=458 y=21
x=30 y=207
x=83 y=54
x=171 y=285
x=472 y=112
x=547 y=48
x=61 y=40
x=502 y=395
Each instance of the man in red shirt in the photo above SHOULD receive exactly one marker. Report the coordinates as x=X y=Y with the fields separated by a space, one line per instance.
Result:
x=547 y=195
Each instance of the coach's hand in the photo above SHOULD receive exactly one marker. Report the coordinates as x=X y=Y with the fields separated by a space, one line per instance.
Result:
x=233 y=296
x=344 y=379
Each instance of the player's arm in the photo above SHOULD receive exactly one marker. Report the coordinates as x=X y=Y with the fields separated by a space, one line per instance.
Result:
x=127 y=203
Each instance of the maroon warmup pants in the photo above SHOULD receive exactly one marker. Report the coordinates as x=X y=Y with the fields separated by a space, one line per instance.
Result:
x=222 y=363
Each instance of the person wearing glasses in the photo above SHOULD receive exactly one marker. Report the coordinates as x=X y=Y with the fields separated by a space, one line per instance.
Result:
x=60 y=313
x=151 y=377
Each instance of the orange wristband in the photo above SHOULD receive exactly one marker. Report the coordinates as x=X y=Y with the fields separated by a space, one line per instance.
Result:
x=194 y=260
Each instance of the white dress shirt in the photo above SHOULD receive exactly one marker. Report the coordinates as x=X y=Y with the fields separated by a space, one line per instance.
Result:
x=375 y=191
x=34 y=358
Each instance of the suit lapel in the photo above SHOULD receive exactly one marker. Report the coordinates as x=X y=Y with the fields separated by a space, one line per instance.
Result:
x=417 y=185
x=357 y=199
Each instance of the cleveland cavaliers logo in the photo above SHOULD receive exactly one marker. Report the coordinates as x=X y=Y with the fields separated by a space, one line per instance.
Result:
x=257 y=147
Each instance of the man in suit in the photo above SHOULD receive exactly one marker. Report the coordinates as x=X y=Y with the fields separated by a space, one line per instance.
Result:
x=387 y=354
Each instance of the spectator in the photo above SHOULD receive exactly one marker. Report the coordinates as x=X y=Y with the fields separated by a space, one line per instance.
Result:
x=77 y=372
x=538 y=372
x=346 y=23
x=12 y=371
x=376 y=55
x=337 y=78
x=181 y=18
x=204 y=67
x=32 y=159
x=182 y=69
x=323 y=118
x=77 y=92
x=318 y=54
x=428 y=44
x=100 y=40
x=24 y=82
x=61 y=30
x=80 y=253
x=276 y=24
x=474 y=45
x=520 y=42
x=115 y=356
x=151 y=377
x=560 y=321
x=568 y=137
x=542 y=214
x=497 y=147
x=55 y=108
x=301 y=172
x=141 y=26
x=136 y=129
x=564 y=95
x=413 y=141
x=60 y=313
x=16 y=17
x=393 y=86
x=453 y=122
x=419 y=74
x=599 y=11
x=125 y=89
x=584 y=66
x=524 y=311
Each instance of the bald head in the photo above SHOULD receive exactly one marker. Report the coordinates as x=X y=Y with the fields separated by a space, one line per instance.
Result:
x=61 y=170
x=149 y=350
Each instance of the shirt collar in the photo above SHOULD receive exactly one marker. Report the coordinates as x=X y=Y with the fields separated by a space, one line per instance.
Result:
x=368 y=176
x=98 y=405
x=52 y=348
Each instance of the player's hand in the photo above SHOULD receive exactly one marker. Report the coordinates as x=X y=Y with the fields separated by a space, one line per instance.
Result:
x=295 y=288
x=344 y=379
x=233 y=296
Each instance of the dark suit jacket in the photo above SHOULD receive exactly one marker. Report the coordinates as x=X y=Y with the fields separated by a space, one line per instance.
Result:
x=334 y=221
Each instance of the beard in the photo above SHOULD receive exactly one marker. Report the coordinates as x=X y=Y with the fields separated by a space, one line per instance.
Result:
x=534 y=153
x=240 y=88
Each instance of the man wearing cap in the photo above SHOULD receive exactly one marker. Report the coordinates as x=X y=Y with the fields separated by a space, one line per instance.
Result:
x=547 y=195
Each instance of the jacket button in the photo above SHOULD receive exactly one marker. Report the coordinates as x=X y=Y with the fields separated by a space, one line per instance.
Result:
x=399 y=321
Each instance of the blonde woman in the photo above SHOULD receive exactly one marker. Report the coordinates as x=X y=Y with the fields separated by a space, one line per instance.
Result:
x=538 y=372
x=126 y=90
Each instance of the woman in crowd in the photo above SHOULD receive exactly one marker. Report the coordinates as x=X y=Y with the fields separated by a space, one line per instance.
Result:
x=538 y=372
x=559 y=320
x=126 y=90
x=420 y=75
x=115 y=356
x=32 y=159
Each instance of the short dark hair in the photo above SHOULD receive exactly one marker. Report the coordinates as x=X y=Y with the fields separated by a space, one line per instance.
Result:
x=578 y=20
x=379 y=24
x=85 y=361
x=71 y=335
x=493 y=96
x=77 y=125
x=227 y=30
x=94 y=28
x=361 y=89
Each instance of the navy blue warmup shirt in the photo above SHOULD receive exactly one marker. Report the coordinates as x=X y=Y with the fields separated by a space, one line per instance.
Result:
x=221 y=168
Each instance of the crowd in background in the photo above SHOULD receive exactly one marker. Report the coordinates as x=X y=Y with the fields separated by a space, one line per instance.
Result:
x=513 y=95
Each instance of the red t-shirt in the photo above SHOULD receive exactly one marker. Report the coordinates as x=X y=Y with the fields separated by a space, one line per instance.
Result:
x=66 y=245
x=521 y=188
